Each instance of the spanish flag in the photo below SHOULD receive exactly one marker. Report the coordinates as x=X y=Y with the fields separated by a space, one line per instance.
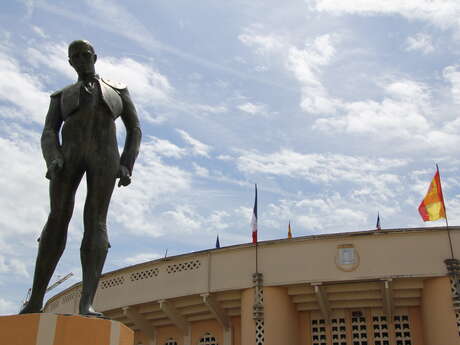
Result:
x=432 y=206
x=289 y=230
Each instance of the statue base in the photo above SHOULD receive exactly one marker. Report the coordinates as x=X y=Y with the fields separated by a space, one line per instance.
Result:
x=59 y=329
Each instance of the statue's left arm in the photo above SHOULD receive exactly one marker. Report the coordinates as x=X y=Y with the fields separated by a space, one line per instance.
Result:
x=133 y=135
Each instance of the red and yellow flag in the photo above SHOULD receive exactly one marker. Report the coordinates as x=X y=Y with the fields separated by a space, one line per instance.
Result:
x=289 y=230
x=432 y=206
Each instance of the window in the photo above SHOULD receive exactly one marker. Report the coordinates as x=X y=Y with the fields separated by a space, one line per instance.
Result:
x=338 y=331
x=457 y=316
x=171 y=341
x=380 y=329
x=402 y=330
x=318 y=332
x=208 y=339
x=358 y=329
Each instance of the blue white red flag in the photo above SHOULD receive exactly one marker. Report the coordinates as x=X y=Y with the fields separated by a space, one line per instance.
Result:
x=254 y=220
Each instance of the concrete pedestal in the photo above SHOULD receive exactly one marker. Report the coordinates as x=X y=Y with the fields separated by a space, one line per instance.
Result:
x=55 y=329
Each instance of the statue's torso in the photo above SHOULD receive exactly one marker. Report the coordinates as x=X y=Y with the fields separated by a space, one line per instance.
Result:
x=89 y=131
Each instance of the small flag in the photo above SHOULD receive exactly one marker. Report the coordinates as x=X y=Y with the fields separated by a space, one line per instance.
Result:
x=217 y=242
x=378 y=222
x=289 y=230
x=254 y=220
x=432 y=206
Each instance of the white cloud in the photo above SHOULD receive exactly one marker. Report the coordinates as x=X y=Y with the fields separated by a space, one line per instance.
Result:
x=184 y=217
x=13 y=266
x=154 y=183
x=216 y=220
x=305 y=65
x=225 y=157
x=395 y=119
x=8 y=307
x=314 y=166
x=19 y=267
x=252 y=108
x=200 y=171
x=24 y=187
x=409 y=90
x=142 y=257
x=420 y=42
x=119 y=19
x=263 y=43
x=23 y=90
x=452 y=75
x=444 y=13
x=403 y=114
x=261 y=68
x=197 y=147
x=453 y=209
x=147 y=85
x=206 y=108
x=30 y=7
x=39 y=31
x=325 y=169
x=164 y=148
x=53 y=55
x=321 y=214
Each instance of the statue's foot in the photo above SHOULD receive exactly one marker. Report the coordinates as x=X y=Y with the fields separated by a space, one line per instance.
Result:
x=89 y=311
x=30 y=308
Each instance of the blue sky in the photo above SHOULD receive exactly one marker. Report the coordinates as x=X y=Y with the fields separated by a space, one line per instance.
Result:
x=337 y=109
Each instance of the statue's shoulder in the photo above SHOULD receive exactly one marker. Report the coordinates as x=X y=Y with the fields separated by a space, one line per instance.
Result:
x=58 y=92
x=114 y=84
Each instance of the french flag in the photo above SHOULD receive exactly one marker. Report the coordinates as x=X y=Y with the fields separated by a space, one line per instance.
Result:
x=254 y=220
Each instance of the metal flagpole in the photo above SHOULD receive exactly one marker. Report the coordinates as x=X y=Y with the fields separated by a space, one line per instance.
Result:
x=257 y=230
x=452 y=264
x=257 y=279
x=445 y=214
x=257 y=258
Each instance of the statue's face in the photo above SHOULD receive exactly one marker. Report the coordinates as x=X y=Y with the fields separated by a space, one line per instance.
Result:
x=83 y=60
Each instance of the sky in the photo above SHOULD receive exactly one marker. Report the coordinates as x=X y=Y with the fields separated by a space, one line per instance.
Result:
x=337 y=109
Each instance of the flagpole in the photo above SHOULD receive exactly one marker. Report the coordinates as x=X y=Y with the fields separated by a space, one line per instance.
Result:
x=445 y=213
x=254 y=226
x=257 y=261
x=257 y=239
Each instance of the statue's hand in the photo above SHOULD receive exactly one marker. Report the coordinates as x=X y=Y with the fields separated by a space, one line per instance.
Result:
x=123 y=174
x=55 y=167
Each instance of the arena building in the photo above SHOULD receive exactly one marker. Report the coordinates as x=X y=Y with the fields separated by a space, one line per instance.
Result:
x=385 y=287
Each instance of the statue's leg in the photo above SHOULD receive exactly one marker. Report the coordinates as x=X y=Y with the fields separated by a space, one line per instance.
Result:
x=95 y=244
x=53 y=237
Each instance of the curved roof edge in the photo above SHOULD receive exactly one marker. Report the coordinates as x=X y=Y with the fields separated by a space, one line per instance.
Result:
x=381 y=232
x=293 y=239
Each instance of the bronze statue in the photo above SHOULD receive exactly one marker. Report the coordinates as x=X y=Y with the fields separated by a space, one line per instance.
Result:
x=86 y=111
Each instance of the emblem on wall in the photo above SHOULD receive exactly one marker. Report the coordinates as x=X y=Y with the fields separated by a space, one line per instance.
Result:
x=347 y=257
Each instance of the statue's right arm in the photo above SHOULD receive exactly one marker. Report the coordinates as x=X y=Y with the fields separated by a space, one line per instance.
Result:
x=50 y=138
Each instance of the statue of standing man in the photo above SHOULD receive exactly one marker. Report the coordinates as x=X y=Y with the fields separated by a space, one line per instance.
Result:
x=84 y=113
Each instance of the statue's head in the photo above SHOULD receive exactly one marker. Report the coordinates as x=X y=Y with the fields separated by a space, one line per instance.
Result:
x=82 y=57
